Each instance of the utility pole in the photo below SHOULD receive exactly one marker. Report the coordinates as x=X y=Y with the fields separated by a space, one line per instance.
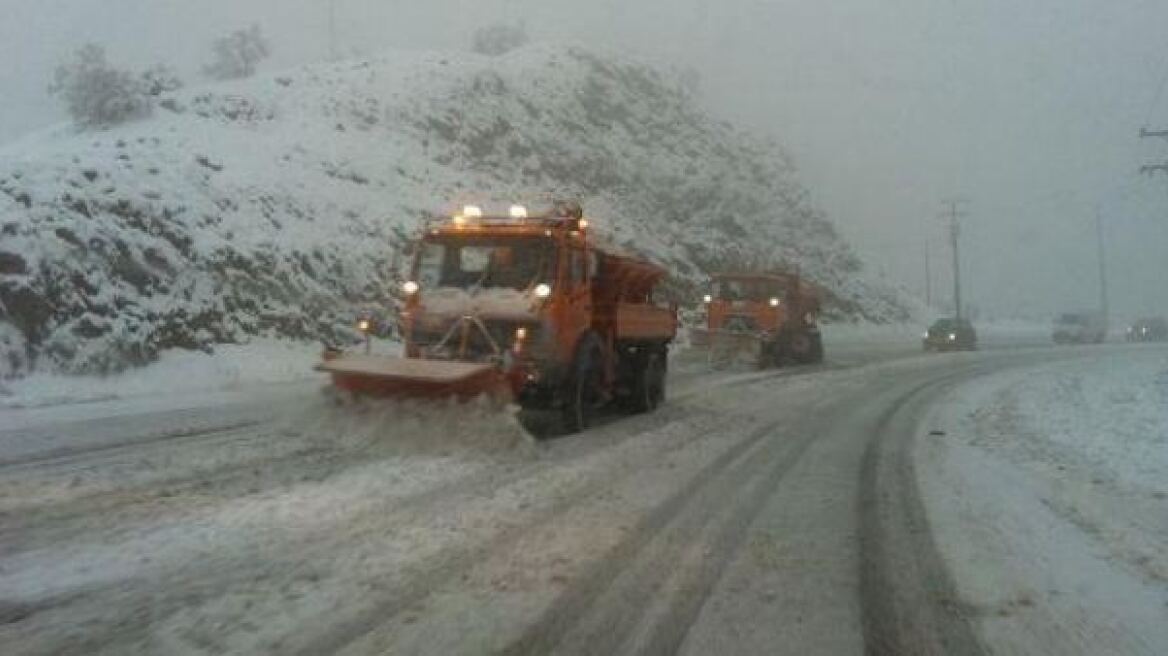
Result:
x=332 y=8
x=928 y=276
x=1103 y=304
x=1161 y=167
x=954 y=215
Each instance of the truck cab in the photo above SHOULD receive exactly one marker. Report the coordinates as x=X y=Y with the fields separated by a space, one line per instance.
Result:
x=570 y=321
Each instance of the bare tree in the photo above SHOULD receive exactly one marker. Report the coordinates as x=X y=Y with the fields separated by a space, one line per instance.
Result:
x=495 y=40
x=237 y=54
x=95 y=93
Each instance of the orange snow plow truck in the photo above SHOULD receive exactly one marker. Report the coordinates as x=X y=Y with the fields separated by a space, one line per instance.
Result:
x=768 y=318
x=533 y=307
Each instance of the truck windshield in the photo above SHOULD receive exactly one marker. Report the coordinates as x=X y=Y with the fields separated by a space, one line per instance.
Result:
x=748 y=290
x=483 y=264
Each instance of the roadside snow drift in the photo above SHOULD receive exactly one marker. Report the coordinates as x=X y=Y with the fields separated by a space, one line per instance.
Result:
x=1049 y=495
x=275 y=206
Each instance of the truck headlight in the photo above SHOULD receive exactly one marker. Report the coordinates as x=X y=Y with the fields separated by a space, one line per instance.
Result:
x=364 y=325
x=707 y=299
x=774 y=302
x=410 y=287
x=543 y=290
x=953 y=337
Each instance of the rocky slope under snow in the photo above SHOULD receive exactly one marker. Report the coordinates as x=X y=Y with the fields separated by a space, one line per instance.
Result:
x=274 y=206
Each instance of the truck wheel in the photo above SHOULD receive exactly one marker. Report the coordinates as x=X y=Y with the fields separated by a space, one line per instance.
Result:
x=582 y=390
x=793 y=348
x=815 y=356
x=769 y=355
x=649 y=384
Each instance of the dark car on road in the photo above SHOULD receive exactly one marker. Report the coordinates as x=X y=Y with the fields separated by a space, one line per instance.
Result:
x=950 y=335
x=1148 y=329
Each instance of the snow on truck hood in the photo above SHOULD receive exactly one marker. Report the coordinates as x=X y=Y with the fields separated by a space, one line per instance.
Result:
x=487 y=303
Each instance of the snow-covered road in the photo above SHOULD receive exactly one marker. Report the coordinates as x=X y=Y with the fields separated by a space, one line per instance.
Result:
x=754 y=513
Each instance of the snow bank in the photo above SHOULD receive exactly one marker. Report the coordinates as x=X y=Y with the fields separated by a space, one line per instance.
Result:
x=277 y=206
x=261 y=361
x=870 y=333
x=1107 y=416
x=1049 y=496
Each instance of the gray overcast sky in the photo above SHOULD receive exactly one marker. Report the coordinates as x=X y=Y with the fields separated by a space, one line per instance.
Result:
x=1028 y=109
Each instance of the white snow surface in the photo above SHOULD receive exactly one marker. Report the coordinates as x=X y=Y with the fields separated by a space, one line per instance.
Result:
x=1048 y=495
x=276 y=206
x=177 y=372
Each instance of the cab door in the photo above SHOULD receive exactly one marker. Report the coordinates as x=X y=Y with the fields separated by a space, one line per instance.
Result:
x=576 y=318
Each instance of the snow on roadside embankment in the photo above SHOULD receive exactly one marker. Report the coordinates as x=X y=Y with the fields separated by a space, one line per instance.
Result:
x=1049 y=497
x=177 y=372
x=272 y=206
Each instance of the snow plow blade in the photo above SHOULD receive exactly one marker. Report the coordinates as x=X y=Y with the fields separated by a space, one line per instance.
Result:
x=394 y=377
x=724 y=348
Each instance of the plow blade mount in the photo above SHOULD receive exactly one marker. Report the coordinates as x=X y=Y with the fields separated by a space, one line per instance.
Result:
x=394 y=377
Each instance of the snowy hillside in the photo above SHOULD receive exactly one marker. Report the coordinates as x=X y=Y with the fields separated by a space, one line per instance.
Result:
x=273 y=206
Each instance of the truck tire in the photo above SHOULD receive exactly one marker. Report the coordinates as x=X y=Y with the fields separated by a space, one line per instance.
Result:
x=792 y=347
x=816 y=354
x=649 y=382
x=582 y=387
x=770 y=355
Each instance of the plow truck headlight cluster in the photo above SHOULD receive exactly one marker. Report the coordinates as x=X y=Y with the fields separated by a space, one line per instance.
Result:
x=410 y=287
x=364 y=325
x=953 y=337
x=774 y=302
x=518 y=212
x=472 y=212
x=543 y=290
x=707 y=299
x=520 y=334
x=582 y=224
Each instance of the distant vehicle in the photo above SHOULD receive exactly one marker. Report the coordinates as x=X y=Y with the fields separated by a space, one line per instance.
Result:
x=772 y=317
x=1148 y=329
x=1087 y=327
x=950 y=334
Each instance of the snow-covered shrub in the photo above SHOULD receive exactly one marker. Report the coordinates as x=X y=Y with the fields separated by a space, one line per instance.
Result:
x=160 y=79
x=95 y=93
x=495 y=40
x=237 y=54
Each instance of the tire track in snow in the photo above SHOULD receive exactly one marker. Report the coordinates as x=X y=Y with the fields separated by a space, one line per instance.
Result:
x=909 y=602
x=742 y=478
